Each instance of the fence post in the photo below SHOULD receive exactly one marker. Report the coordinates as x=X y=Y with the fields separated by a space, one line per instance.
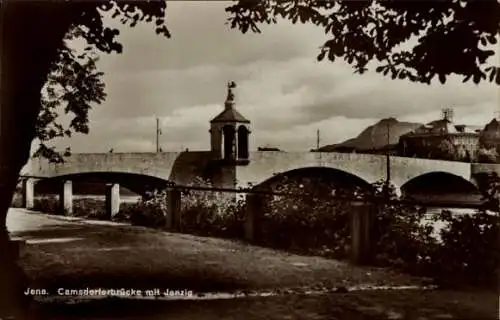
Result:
x=112 y=200
x=253 y=215
x=362 y=220
x=28 y=193
x=66 y=198
x=172 y=220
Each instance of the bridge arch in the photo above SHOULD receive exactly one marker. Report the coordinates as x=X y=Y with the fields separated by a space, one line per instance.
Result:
x=136 y=183
x=329 y=176
x=439 y=182
x=441 y=186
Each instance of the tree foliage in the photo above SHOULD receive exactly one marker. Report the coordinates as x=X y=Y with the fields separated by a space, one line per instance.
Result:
x=451 y=37
x=446 y=150
x=487 y=155
x=74 y=84
x=88 y=15
x=469 y=249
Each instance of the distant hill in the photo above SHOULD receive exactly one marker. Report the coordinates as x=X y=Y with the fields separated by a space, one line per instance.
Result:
x=374 y=137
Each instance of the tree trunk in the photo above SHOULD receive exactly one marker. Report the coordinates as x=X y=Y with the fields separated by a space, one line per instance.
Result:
x=30 y=33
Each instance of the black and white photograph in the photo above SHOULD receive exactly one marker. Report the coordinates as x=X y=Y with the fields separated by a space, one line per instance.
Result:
x=249 y=159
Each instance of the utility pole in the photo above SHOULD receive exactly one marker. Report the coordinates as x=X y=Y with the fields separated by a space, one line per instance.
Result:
x=388 y=159
x=317 y=140
x=158 y=133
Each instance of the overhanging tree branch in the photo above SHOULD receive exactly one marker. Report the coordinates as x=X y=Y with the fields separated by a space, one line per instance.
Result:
x=452 y=37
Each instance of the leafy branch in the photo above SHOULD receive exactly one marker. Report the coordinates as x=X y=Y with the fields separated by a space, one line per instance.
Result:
x=452 y=37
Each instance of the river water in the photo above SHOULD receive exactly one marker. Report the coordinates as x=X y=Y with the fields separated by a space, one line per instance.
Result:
x=439 y=225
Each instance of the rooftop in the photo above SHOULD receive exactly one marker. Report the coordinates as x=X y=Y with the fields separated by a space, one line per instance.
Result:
x=230 y=115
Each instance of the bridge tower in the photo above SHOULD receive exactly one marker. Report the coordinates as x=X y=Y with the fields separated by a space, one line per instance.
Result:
x=229 y=133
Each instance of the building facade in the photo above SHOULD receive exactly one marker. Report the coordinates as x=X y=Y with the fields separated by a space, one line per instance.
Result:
x=441 y=139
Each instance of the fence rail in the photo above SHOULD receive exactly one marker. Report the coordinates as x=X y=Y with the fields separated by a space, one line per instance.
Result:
x=361 y=199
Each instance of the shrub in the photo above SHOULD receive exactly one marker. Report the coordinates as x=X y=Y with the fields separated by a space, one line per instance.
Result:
x=147 y=212
x=210 y=220
x=90 y=209
x=466 y=252
x=86 y=208
x=205 y=213
x=469 y=251
x=307 y=223
x=124 y=214
x=47 y=204
x=403 y=238
x=210 y=213
x=17 y=200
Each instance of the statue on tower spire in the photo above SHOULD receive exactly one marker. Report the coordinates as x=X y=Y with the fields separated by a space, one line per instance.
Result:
x=230 y=94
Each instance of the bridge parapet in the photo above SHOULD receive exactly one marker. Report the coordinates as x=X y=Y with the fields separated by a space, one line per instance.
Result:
x=404 y=169
x=263 y=165
x=153 y=164
x=369 y=167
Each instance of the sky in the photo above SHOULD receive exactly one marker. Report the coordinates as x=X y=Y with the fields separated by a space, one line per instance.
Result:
x=282 y=89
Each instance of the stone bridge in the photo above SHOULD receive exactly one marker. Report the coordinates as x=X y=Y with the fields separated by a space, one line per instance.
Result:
x=186 y=167
x=138 y=170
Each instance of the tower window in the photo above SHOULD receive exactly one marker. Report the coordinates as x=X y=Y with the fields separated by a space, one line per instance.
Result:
x=229 y=143
x=242 y=142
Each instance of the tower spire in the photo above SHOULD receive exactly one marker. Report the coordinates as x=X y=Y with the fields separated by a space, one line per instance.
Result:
x=230 y=95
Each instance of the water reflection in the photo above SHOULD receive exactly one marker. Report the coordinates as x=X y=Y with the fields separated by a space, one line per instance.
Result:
x=432 y=213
